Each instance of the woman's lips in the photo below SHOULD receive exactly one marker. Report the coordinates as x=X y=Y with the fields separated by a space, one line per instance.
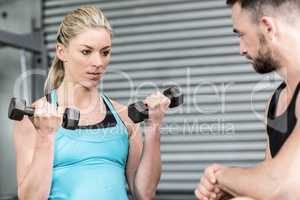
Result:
x=94 y=76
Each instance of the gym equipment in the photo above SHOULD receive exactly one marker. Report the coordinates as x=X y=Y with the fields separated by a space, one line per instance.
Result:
x=138 y=111
x=17 y=109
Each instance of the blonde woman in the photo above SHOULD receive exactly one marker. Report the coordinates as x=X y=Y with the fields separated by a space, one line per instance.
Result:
x=106 y=152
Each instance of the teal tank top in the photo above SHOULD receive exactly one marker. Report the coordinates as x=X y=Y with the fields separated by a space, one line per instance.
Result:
x=89 y=162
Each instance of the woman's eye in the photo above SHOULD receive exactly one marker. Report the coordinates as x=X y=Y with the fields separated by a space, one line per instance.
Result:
x=106 y=53
x=85 y=52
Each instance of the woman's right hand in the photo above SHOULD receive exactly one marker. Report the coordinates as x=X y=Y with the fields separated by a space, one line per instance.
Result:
x=47 y=118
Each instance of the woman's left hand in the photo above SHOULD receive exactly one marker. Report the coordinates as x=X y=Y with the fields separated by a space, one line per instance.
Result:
x=157 y=104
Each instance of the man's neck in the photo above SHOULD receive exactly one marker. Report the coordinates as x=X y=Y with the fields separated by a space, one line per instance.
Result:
x=289 y=57
x=290 y=73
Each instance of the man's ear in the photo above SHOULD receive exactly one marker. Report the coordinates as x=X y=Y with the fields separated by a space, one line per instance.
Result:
x=61 y=51
x=268 y=27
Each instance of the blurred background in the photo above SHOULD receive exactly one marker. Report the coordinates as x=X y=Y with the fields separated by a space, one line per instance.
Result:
x=156 y=43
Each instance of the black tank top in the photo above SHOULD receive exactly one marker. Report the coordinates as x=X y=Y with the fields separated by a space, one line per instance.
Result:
x=280 y=127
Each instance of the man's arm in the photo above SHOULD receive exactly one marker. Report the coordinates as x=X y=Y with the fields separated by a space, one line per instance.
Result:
x=273 y=179
x=228 y=194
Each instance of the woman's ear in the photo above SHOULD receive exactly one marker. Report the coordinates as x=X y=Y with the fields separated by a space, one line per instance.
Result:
x=60 y=52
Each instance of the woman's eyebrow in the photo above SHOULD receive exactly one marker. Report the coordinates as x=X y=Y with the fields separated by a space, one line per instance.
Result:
x=88 y=46
x=106 y=47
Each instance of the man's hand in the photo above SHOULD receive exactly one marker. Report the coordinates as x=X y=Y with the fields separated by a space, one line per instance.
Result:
x=208 y=188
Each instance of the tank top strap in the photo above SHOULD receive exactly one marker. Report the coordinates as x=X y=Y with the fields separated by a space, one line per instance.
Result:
x=274 y=101
x=113 y=111
x=52 y=97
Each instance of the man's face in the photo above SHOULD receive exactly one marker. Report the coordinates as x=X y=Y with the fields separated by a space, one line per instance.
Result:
x=264 y=62
x=253 y=44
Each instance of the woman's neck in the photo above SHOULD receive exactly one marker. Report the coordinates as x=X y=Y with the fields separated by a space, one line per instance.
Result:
x=75 y=95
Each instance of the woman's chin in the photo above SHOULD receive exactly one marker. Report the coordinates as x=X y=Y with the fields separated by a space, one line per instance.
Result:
x=89 y=84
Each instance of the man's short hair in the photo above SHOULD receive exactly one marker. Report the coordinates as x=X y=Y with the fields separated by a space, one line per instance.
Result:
x=256 y=3
x=256 y=7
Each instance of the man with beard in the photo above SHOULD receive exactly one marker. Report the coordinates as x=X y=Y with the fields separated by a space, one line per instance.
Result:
x=269 y=38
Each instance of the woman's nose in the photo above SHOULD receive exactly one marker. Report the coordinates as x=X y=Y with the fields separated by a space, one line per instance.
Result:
x=98 y=61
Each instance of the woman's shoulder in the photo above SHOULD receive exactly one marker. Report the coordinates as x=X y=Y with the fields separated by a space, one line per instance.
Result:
x=35 y=104
x=25 y=123
x=39 y=102
x=24 y=130
x=122 y=110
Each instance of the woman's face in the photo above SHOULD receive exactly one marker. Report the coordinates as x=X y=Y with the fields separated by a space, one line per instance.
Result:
x=86 y=57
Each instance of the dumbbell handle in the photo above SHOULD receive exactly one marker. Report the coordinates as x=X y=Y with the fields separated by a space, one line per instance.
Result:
x=29 y=111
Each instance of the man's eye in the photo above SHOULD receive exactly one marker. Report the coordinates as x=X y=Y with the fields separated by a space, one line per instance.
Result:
x=85 y=52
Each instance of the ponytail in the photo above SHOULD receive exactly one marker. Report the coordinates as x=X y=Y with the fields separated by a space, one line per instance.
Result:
x=55 y=75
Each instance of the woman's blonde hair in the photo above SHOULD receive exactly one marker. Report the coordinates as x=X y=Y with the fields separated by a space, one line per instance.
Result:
x=73 y=24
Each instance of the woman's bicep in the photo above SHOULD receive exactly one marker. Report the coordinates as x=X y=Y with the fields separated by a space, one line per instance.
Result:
x=134 y=155
x=24 y=142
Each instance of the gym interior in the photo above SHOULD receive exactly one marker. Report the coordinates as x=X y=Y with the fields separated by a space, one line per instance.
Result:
x=156 y=44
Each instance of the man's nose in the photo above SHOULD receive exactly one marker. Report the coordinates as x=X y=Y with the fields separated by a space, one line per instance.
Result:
x=243 y=50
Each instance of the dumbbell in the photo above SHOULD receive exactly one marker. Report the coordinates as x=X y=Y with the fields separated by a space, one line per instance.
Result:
x=17 y=109
x=138 y=111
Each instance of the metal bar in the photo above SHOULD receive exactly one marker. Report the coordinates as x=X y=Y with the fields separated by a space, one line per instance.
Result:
x=30 y=42
x=39 y=65
x=23 y=65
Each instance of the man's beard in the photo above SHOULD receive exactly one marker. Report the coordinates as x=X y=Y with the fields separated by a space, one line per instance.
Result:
x=264 y=62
